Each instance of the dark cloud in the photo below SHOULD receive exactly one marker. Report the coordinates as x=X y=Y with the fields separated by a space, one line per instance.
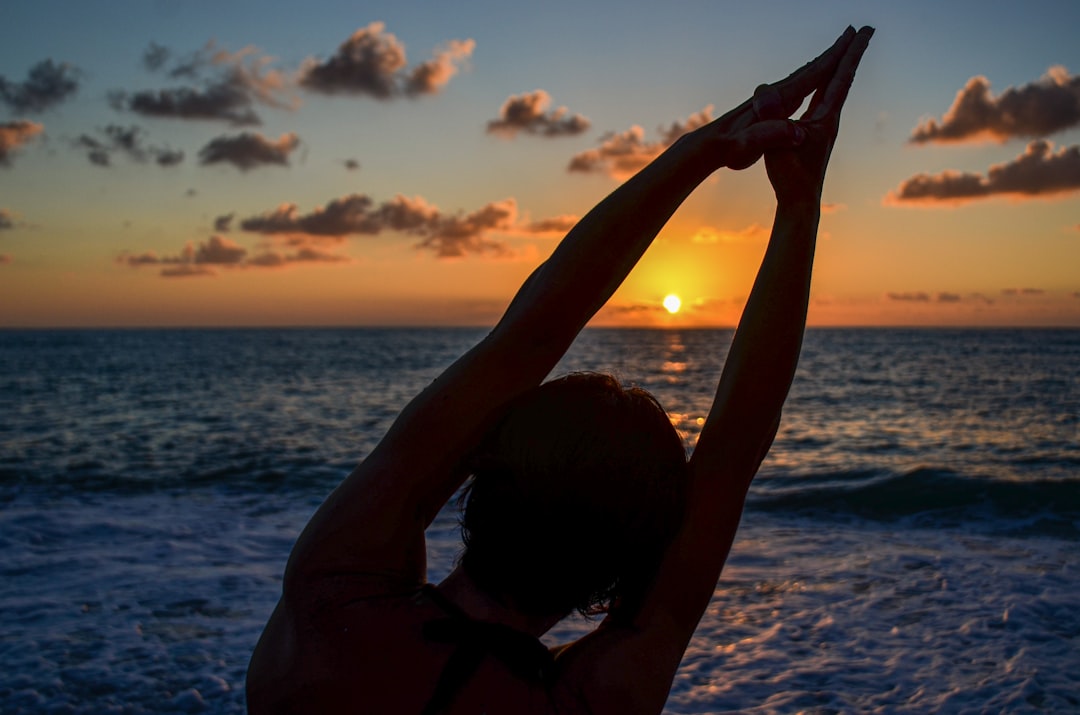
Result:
x=128 y=141
x=351 y=164
x=529 y=113
x=918 y=297
x=201 y=259
x=7 y=220
x=1022 y=291
x=306 y=254
x=223 y=223
x=372 y=62
x=446 y=235
x=229 y=87
x=46 y=85
x=1038 y=172
x=1048 y=105
x=623 y=154
x=555 y=224
x=155 y=56
x=15 y=134
x=168 y=157
x=948 y=297
x=248 y=150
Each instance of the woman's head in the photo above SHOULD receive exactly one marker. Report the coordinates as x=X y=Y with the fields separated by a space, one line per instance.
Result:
x=574 y=496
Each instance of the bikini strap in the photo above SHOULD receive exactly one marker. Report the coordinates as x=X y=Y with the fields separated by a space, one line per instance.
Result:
x=521 y=653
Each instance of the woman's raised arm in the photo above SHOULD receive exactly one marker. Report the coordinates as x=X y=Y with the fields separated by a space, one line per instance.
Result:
x=375 y=519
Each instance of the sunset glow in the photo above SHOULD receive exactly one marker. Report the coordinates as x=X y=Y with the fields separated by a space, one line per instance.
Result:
x=379 y=165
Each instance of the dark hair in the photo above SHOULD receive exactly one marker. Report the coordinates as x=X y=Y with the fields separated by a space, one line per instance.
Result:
x=574 y=497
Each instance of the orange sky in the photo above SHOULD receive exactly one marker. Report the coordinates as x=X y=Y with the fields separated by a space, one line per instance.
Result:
x=426 y=194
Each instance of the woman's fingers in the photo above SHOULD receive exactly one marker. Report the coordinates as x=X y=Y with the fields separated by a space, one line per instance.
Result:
x=831 y=99
x=747 y=146
x=797 y=86
x=793 y=89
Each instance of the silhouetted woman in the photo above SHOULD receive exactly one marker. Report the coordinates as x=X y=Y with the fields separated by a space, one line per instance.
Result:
x=581 y=495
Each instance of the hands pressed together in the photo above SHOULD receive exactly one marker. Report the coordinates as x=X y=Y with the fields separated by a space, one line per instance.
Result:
x=796 y=152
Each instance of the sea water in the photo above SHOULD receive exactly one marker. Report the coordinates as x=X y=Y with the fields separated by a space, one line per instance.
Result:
x=910 y=544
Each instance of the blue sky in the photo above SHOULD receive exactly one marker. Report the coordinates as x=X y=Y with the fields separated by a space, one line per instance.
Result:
x=91 y=244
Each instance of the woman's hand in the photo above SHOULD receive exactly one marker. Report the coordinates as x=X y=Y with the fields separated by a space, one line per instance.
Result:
x=741 y=136
x=797 y=172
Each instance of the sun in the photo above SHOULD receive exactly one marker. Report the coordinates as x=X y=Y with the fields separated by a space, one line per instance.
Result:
x=672 y=303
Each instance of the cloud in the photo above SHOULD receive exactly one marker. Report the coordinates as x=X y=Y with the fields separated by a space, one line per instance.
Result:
x=623 y=154
x=556 y=225
x=230 y=85
x=6 y=258
x=1050 y=104
x=528 y=113
x=46 y=85
x=1012 y=292
x=431 y=76
x=446 y=235
x=306 y=254
x=918 y=297
x=351 y=164
x=13 y=135
x=223 y=223
x=1038 y=172
x=248 y=150
x=7 y=220
x=709 y=235
x=372 y=62
x=217 y=252
x=127 y=141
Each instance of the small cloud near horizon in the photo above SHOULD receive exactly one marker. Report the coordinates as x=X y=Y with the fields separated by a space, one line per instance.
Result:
x=710 y=235
x=218 y=252
x=446 y=235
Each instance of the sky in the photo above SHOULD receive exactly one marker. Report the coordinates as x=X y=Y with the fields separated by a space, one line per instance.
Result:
x=189 y=163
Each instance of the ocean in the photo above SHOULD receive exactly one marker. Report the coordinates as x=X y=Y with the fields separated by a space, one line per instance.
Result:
x=910 y=544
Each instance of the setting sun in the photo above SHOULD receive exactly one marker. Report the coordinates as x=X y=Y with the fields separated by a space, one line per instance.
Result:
x=672 y=303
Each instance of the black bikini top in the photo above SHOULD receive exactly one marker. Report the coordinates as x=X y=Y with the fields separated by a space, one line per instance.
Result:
x=524 y=655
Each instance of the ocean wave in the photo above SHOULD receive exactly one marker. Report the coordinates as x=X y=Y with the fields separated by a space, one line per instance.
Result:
x=1044 y=506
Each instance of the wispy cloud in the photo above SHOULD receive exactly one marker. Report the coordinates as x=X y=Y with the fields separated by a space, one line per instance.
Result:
x=372 y=62
x=14 y=135
x=129 y=141
x=247 y=151
x=1038 y=172
x=529 y=113
x=447 y=235
x=47 y=84
x=203 y=258
x=710 y=235
x=623 y=154
x=229 y=85
x=223 y=223
x=1048 y=105
x=557 y=225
